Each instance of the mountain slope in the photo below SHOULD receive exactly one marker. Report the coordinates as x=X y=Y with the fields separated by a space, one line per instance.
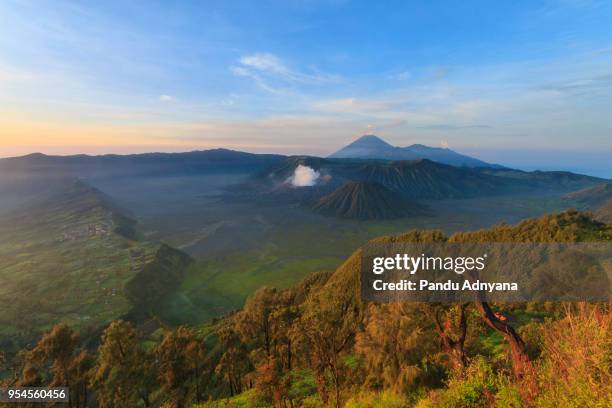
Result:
x=365 y=200
x=334 y=307
x=373 y=147
x=603 y=212
x=570 y=226
x=157 y=278
x=416 y=179
x=424 y=179
x=67 y=258
x=445 y=156
x=592 y=196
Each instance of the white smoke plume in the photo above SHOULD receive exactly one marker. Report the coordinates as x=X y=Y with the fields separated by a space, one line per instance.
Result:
x=304 y=176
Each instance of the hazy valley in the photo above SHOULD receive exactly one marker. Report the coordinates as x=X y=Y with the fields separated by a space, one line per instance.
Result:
x=241 y=217
x=163 y=240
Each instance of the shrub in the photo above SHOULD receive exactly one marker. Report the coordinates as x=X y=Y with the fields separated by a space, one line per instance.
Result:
x=478 y=387
x=576 y=369
x=303 y=385
x=385 y=399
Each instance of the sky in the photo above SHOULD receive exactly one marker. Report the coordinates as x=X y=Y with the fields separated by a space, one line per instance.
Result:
x=521 y=83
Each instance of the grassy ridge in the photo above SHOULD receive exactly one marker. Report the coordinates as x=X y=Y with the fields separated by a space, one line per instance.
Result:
x=63 y=259
x=391 y=355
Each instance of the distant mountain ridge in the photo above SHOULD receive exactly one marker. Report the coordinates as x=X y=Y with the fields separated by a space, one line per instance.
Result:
x=194 y=162
x=373 y=147
x=415 y=179
x=418 y=180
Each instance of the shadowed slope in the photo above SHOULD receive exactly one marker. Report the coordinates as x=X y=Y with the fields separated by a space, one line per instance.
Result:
x=593 y=195
x=603 y=213
x=365 y=200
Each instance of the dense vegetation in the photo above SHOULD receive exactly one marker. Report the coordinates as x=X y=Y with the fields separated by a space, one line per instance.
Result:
x=316 y=344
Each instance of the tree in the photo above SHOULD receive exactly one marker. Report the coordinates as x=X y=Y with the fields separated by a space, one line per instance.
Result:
x=393 y=344
x=324 y=332
x=124 y=373
x=253 y=323
x=180 y=358
x=520 y=358
x=569 y=226
x=58 y=361
x=452 y=334
x=234 y=362
x=270 y=383
x=80 y=374
x=282 y=317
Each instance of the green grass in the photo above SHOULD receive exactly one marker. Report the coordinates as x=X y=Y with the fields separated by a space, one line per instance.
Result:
x=216 y=287
x=493 y=342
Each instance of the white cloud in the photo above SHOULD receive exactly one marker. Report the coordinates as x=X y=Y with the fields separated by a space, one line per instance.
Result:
x=258 y=79
x=167 y=98
x=273 y=75
x=304 y=176
x=265 y=62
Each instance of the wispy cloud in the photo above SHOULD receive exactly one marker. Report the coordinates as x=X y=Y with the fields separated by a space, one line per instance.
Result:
x=272 y=65
x=167 y=98
x=596 y=82
x=267 y=63
x=272 y=74
x=259 y=80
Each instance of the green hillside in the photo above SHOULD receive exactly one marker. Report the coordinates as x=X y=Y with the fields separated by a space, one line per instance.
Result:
x=344 y=352
x=318 y=344
x=67 y=258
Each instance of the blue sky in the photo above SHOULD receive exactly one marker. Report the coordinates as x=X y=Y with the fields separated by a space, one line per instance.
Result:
x=523 y=83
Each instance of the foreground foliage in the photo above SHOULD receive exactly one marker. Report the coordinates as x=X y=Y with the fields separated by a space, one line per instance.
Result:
x=317 y=345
